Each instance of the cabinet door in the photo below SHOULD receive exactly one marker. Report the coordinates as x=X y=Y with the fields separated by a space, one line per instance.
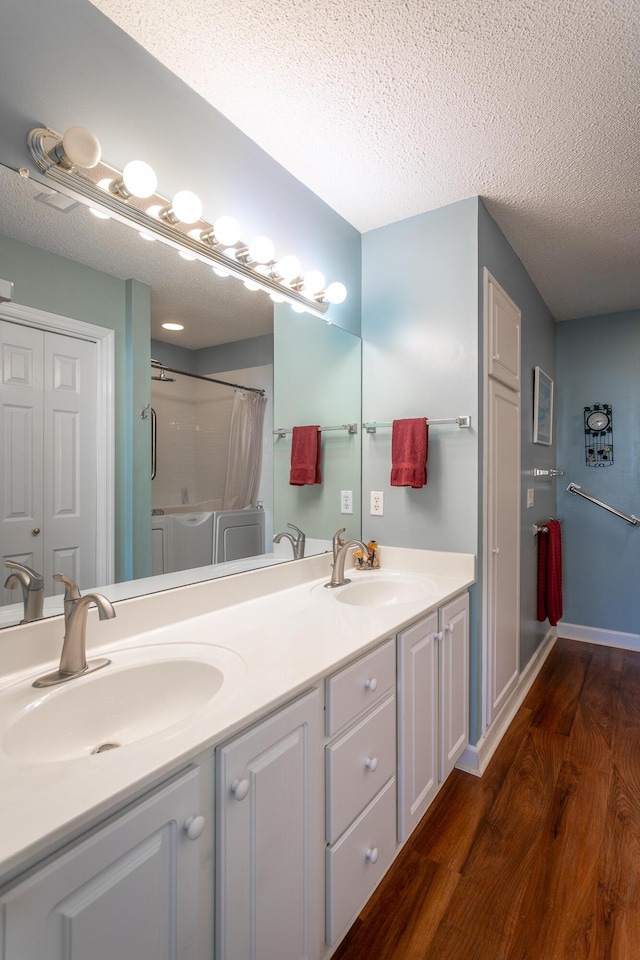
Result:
x=128 y=891
x=454 y=682
x=269 y=887
x=503 y=319
x=417 y=722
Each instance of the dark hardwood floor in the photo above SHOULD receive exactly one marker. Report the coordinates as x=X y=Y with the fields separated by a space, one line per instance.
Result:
x=540 y=858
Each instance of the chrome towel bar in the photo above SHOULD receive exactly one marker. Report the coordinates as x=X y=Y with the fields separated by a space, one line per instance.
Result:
x=463 y=423
x=577 y=491
x=349 y=427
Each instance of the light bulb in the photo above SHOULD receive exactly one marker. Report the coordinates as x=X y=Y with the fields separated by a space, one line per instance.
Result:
x=146 y=235
x=336 y=293
x=173 y=326
x=139 y=179
x=288 y=268
x=79 y=147
x=252 y=285
x=226 y=230
x=298 y=308
x=186 y=206
x=221 y=271
x=314 y=281
x=100 y=214
x=187 y=255
x=261 y=250
x=277 y=298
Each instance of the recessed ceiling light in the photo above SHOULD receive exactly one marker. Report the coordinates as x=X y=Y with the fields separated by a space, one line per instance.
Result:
x=173 y=326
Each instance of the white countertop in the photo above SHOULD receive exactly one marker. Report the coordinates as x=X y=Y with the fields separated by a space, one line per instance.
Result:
x=286 y=632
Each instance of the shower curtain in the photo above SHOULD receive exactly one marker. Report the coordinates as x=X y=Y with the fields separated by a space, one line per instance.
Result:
x=245 y=451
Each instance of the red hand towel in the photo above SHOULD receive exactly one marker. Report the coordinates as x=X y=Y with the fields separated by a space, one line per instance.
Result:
x=306 y=452
x=409 y=446
x=550 y=573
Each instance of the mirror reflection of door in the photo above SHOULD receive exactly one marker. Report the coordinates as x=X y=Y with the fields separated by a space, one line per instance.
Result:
x=48 y=480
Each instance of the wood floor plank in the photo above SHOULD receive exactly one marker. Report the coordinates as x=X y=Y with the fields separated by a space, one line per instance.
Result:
x=591 y=736
x=562 y=686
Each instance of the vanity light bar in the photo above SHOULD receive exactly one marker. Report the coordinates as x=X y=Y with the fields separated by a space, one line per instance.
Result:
x=43 y=143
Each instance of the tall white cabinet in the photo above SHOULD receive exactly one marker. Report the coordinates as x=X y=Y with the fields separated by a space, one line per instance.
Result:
x=501 y=596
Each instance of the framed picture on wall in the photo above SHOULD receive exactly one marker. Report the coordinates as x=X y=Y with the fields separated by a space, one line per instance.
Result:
x=542 y=407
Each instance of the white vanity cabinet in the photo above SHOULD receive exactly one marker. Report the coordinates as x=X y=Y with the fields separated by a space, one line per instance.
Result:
x=433 y=706
x=139 y=887
x=360 y=763
x=270 y=838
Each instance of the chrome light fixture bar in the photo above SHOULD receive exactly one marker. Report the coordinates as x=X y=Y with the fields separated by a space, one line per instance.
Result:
x=99 y=187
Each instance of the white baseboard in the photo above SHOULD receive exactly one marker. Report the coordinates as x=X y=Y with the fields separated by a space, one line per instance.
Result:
x=476 y=758
x=606 y=638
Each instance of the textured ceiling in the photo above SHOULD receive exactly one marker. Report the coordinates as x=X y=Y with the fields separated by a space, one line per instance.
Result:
x=390 y=108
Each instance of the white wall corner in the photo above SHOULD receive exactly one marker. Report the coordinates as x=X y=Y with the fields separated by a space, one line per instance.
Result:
x=475 y=758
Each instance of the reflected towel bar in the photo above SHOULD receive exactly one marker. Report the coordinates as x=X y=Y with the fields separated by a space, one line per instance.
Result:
x=537 y=472
x=463 y=423
x=349 y=427
x=577 y=491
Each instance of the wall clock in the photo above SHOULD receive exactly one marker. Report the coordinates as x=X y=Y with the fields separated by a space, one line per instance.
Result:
x=598 y=435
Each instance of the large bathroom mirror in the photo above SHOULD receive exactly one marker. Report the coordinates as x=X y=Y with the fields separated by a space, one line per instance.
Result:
x=309 y=369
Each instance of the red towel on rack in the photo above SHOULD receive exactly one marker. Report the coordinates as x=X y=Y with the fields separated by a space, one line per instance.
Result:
x=306 y=453
x=550 y=573
x=409 y=447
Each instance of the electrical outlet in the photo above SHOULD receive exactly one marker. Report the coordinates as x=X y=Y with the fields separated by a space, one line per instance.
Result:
x=530 y=497
x=377 y=503
x=346 y=501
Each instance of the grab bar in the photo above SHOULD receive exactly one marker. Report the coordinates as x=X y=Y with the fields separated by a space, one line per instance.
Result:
x=577 y=491
x=154 y=438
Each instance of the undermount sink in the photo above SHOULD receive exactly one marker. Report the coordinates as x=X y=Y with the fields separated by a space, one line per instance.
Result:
x=142 y=692
x=374 y=590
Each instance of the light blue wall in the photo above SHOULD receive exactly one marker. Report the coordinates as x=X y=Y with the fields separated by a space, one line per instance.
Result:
x=317 y=379
x=538 y=347
x=420 y=358
x=65 y=63
x=252 y=352
x=56 y=285
x=598 y=362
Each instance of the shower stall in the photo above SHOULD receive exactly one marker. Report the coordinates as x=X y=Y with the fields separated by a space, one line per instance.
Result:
x=209 y=476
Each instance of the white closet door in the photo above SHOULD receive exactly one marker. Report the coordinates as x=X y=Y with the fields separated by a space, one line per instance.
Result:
x=71 y=436
x=48 y=474
x=21 y=473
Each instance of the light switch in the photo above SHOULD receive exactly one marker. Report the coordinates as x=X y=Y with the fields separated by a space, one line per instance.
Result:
x=530 y=497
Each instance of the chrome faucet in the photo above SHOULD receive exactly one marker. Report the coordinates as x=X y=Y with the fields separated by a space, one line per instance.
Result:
x=338 y=578
x=297 y=543
x=73 y=661
x=32 y=589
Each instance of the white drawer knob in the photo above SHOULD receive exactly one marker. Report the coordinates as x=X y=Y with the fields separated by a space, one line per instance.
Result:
x=240 y=789
x=439 y=635
x=449 y=628
x=371 y=684
x=371 y=763
x=372 y=854
x=194 y=827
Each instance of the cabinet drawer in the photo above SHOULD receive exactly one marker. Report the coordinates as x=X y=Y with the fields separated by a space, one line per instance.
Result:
x=357 y=766
x=356 y=863
x=359 y=686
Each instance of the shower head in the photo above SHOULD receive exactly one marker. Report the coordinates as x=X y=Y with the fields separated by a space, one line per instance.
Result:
x=164 y=378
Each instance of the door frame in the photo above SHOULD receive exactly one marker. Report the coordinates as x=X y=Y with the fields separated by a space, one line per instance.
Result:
x=104 y=340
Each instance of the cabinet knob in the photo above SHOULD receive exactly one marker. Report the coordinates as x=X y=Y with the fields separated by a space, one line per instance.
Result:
x=371 y=684
x=439 y=635
x=194 y=827
x=495 y=551
x=371 y=763
x=496 y=356
x=35 y=531
x=240 y=789
x=372 y=854
x=448 y=628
